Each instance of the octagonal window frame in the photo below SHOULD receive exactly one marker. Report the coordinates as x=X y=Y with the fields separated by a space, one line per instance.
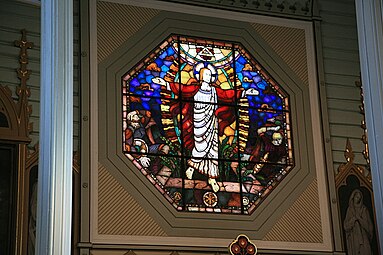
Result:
x=304 y=116
x=257 y=190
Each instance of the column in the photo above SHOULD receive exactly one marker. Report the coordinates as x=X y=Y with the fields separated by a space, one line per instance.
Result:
x=370 y=37
x=56 y=129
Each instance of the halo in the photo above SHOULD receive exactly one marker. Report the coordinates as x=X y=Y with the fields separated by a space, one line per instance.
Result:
x=200 y=65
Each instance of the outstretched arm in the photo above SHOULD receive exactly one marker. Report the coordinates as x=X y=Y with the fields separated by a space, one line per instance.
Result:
x=228 y=95
x=250 y=92
x=162 y=82
x=187 y=90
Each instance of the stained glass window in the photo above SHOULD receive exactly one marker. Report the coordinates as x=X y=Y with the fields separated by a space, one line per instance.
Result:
x=206 y=125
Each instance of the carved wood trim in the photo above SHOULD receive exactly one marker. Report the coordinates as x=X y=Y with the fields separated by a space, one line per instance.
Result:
x=31 y=161
x=15 y=112
x=18 y=112
x=349 y=168
x=300 y=9
x=365 y=152
x=343 y=182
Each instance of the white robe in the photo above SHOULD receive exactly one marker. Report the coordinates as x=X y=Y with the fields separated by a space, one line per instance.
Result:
x=205 y=151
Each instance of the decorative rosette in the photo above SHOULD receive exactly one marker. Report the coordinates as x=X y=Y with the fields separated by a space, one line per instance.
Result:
x=242 y=246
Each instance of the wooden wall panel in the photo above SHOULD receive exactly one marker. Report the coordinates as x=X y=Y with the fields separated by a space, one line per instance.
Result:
x=301 y=222
x=341 y=65
x=289 y=44
x=119 y=213
x=112 y=34
x=15 y=16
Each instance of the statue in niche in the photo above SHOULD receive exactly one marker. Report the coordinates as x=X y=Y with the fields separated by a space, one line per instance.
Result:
x=358 y=226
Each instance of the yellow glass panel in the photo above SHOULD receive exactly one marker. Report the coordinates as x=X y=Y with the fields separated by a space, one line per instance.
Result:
x=185 y=76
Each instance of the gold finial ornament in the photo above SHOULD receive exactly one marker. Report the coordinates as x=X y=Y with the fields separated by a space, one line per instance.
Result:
x=348 y=153
x=18 y=110
x=22 y=91
x=366 y=154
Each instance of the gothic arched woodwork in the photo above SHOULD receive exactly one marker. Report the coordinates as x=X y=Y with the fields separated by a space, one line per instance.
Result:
x=352 y=179
x=4 y=123
x=17 y=111
x=14 y=133
x=17 y=128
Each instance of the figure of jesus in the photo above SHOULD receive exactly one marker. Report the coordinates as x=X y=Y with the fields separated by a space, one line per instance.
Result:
x=205 y=120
